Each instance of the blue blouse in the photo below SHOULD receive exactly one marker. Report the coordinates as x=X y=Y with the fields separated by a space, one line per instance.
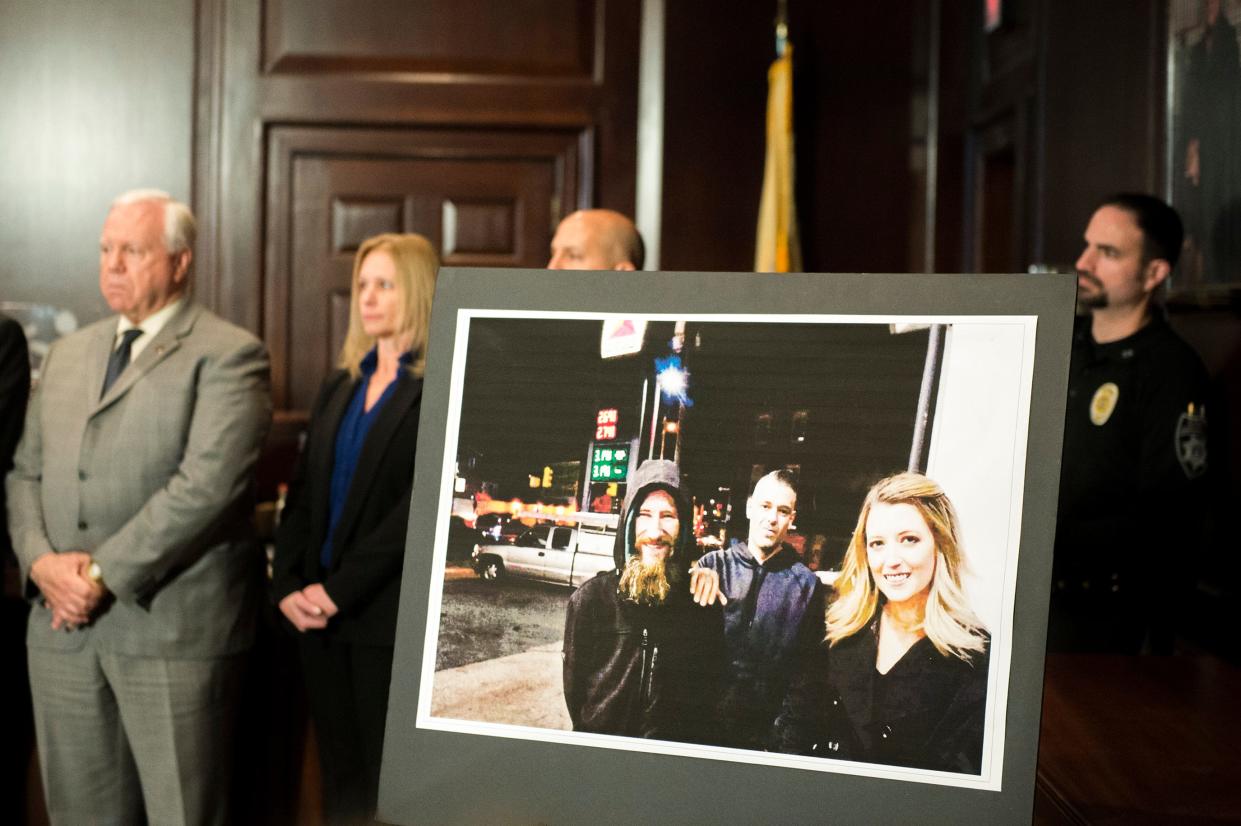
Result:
x=351 y=436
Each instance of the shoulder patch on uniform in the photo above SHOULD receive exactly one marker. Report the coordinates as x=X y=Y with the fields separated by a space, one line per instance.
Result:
x=1191 y=441
x=1104 y=402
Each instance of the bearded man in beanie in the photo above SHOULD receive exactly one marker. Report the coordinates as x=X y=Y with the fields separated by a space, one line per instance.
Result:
x=641 y=659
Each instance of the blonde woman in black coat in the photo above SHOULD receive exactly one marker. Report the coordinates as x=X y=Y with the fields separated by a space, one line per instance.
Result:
x=341 y=543
x=902 y=676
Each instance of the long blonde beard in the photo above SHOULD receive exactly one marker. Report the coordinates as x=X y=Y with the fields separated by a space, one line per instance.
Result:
x=646 y=584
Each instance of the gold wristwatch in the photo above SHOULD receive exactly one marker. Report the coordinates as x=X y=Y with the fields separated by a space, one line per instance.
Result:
x=95 y=573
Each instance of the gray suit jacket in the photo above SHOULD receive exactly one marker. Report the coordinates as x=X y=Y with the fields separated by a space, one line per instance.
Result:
x=153 y=480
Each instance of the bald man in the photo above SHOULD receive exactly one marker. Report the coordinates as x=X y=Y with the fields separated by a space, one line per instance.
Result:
x=596 y=239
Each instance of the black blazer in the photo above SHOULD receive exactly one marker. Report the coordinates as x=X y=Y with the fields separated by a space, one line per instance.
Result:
x=932 y=716
x=368 y=547
x=14 y=393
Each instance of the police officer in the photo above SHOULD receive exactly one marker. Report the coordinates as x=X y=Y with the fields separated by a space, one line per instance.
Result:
x=1135 y=446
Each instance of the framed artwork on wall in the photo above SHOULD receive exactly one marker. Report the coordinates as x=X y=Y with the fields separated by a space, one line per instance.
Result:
x=1203 y=164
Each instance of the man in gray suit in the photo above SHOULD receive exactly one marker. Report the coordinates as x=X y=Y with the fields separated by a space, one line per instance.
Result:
x=129 y=511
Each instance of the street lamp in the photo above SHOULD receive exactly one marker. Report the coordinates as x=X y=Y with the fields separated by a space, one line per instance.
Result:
x=673 y=381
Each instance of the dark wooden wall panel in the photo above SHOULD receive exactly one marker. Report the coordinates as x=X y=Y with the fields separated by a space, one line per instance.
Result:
x=499 y=192
x=1052 y=117
x=515 y=38
x=999 y=229
x=852 y=88
x=479 y=227
x=321 y=122
x=1103 y=109
x=356 y=219
x=854 y=137
x=595 y=99
x=951 y=197
x=714 y=109
x=1063 y=106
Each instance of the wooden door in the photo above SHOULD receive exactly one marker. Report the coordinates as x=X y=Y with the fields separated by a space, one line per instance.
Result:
x=483 y=198
x=322 y=122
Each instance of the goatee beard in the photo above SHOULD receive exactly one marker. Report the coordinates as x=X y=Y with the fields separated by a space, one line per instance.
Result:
x=646 y=584
x=1096 y=300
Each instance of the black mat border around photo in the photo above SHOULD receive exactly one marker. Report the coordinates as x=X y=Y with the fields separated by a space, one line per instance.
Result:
x=435 y=776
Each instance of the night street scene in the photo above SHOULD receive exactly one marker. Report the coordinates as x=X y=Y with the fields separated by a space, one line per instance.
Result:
x=556 y=413
x=550 y=427
x=550 y=431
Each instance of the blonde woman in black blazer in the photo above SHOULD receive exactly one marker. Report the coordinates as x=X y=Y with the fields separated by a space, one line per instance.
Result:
x=337 y=568
x=902 y=678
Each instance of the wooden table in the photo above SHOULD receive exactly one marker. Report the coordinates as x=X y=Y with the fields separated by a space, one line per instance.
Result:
x=1139 y=740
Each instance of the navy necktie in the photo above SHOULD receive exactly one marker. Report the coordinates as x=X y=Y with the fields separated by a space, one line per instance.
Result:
x=119 y=360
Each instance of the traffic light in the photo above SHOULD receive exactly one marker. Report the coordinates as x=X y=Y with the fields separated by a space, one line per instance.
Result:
x=547 y=476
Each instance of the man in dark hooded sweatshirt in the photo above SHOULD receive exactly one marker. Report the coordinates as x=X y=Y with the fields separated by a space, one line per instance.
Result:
x=641 y=659
x=773 y=612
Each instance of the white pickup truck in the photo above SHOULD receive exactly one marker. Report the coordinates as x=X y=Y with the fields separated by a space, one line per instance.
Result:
x=551 y=553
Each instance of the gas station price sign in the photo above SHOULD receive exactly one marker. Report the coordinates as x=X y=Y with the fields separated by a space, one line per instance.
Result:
x=605 y=424
x=609 y=463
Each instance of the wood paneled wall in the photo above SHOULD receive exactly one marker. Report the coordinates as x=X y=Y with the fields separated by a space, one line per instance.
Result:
x=854 y=83
x=321 y=122
x=298 y=127
x=95 y=98
x=1062 y=106
x=477 y=124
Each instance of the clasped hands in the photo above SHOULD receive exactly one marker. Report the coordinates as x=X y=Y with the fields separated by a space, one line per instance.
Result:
x=310 y=608
x=73 y=597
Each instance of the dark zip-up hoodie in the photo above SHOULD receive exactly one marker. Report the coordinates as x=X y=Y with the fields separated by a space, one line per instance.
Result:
x=644 y=670
x=774 y=613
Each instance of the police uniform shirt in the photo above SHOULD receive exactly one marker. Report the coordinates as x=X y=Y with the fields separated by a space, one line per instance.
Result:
x=1135 y=449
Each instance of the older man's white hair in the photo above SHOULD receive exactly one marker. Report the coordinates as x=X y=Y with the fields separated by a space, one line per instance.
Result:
x=180 y=228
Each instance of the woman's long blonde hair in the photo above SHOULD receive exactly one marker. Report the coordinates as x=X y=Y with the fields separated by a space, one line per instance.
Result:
x=953 y=628
x=416 y=268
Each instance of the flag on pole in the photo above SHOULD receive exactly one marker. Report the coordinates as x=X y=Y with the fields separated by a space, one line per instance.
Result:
x=777 y=247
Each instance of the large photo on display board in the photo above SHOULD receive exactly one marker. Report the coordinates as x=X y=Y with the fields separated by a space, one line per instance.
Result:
x=521 y=638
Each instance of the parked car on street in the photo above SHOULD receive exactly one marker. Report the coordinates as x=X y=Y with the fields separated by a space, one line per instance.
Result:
x=461 y=539
x=551 y=553
x=498 y=527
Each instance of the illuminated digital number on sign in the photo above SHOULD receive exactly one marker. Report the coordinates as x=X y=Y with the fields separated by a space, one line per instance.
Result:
x=609 y=463
x=605 y=424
